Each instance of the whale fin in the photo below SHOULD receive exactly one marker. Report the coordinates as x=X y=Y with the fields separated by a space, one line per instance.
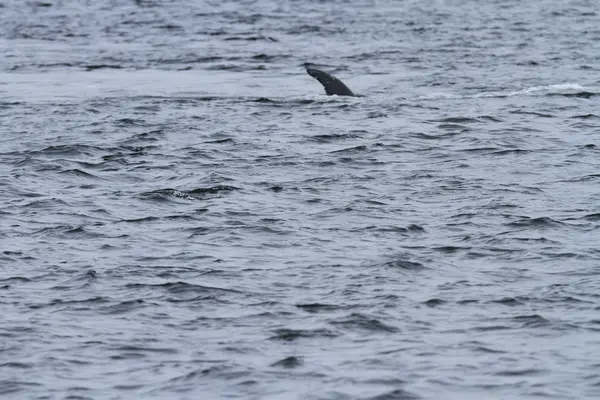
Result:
x=331 y=84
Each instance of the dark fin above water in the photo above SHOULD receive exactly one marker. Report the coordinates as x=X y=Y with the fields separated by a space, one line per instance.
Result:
x=331 y=84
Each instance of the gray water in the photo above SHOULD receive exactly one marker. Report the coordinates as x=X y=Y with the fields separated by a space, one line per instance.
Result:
x=184 y=214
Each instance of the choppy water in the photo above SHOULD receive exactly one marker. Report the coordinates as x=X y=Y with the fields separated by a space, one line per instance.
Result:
x=184 y=214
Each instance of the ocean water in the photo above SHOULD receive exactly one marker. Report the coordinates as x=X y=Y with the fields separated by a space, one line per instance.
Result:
x=184 y=213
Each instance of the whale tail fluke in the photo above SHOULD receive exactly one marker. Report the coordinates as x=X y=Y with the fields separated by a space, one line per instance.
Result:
x=331 y=84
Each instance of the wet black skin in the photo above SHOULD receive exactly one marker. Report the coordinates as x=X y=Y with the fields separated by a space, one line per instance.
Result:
x=331 y=84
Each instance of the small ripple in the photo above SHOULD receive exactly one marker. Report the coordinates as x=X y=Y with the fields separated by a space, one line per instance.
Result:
x=165 y=195
x=405 y=265
x=289 y=362
x=457 y=120
x=78 y=173
x=79 y=303
x=314 y=308
x=508 y=301
x=17 y=365
x=15 y=386
x=522 y=372
x=531 y=321
x=434 y=302
x=290 y=335
x=509 y=151
x=123 y=307
x=93 y=67
x=362 y=322
x=540 y=222
x=334 y=137
x=396 y=394
x=350 y=150
x=181 y=288
x=581 y=94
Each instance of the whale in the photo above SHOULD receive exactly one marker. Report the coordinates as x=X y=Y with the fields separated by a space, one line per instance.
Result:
x=331 y=84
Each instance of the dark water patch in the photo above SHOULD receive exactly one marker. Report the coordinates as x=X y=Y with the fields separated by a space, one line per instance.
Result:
x=509 y=301
x=125 y=122
x=425 y=136
x=562 y=299
x=10 y=387
x=171 y=27
x=590 y=177
x=395 y=394
x=490 y=118
x=491 y=328
x=14 y=279
x=194 y=59
x=592 y=217
x=16 y=365
x=235 y=67
x=222 y=370
x=415 y=228
x=350 y=150
x=481 y=150
x=252 y=38
x=456 y=128
x=509 y=151
x=561 y=255
x=212 y=190
x=202 y=231
x=535 y=113
x=165 y=195
x=130 y=349
x=94 y=67
x=71 y=150
x=332 y=138
x=456 y=121
x=396 y=229
x=290 y=335
x=123 y=307
x=181 y=288
x=154 y=135
x=78 y=173
x=9 y=104
x=78 y=281
x=321 y=29
x=55 y=65
x=582 y=94
x=276 y=188
x=404 y=265
x=434 y=302
x=531 y=321
x=487 y=350
x=523 y=372
x=289 y=362
x=66 y=232
x=379 y=54
x=538 y=223
x=315 y=308
x=585 y=116
x=200 y=301
x=263 y=100
x=531 y=63
x=265 y=57
x=363 y=323
x=72 y=305
x=535 y=240
x=451 y=249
